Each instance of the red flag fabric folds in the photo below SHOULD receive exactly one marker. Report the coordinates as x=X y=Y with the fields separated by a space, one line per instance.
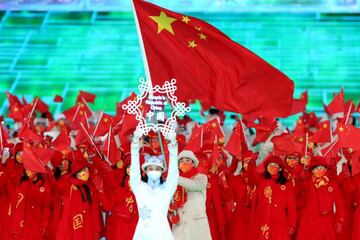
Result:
x=88 y=97
x=36 y=158
x=337 y=104
x=323 y=134
x=349 y=136
x=58 y=98
x=61 y=142
x=299 y=105
x=237 y=142
x=208 y=65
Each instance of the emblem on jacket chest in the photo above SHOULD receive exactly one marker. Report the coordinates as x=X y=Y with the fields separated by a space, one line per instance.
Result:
x=268 y=193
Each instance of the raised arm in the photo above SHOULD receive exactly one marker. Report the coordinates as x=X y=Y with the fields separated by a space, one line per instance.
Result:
x=173 y=172
x=197 y=184
x=135 y=176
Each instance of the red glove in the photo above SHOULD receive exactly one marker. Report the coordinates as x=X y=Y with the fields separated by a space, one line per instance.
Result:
x=291 y=230
x=99 y=183
x=338 y=227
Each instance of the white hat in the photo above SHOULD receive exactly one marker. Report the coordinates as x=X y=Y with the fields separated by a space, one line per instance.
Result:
x=44 y=121
x=53 y=133
x=17 y=126
x=188 y=154
x=153 y=161
x=60 y=116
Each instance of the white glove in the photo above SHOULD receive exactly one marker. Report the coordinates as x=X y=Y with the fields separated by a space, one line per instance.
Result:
x=171 y=137
x=137 y=135
x=5 y=155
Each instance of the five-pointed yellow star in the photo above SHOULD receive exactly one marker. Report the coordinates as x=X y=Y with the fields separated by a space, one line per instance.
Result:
x=341 y=129
x=185 y=19
x=202 y=36
x=325 y=125
x=192 y=44
x=164 y=22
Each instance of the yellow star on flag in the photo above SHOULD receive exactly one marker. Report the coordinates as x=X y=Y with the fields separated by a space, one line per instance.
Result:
x=341 y=129
x=325 y=125
x=202 y=36
x=192 y=44
x=164 y=22
x=185 y=19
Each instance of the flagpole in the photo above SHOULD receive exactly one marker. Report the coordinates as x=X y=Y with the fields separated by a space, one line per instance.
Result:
x=243 y=131
x=93 y=144
x=98 y=123
x=331 y=147
x=141 y=42
x=348 y=114
x=85 y=102
x=108 y=148
x=33 y=109
x=306 y=143
x=76 y=112
x=1 y=138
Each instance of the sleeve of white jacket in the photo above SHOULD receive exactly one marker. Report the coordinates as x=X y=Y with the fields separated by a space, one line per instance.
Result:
x=135 y=176
x=173 y=172
x=198 y=183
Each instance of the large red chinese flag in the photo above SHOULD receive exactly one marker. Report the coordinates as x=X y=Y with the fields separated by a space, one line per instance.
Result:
x=208 y=65
x=349 y=136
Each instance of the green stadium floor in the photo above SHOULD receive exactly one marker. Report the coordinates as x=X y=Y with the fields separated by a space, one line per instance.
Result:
x=48 y=53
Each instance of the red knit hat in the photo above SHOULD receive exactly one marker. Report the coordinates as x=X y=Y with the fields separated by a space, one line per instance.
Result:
x=318 y=161
x=273 y=159
x=249 y=155
x=17 y=148
x=78 y=163
x=56 y=159
x=297 y=154
x=153 y=134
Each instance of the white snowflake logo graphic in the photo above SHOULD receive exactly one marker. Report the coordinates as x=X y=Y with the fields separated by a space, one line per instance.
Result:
x=157 y=98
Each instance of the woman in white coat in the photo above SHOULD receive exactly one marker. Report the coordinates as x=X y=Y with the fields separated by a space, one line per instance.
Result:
x=193 y=223
x=153 y=196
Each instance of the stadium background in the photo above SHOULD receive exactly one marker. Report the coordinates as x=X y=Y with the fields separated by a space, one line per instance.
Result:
x=63 y=46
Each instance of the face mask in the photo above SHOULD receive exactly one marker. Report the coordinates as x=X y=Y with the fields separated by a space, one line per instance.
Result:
x=292 y=162
x=61 y=122
x=319 y=172
x=120 y=164
x=154 y=175
x=245 y=165
x=220 y=163
x=273 y=170
x=19 y=158
x=40 y=128
x=64 y=165
x=83 y=175
x=186 y=167
x=155 y=144
x=30 y=174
